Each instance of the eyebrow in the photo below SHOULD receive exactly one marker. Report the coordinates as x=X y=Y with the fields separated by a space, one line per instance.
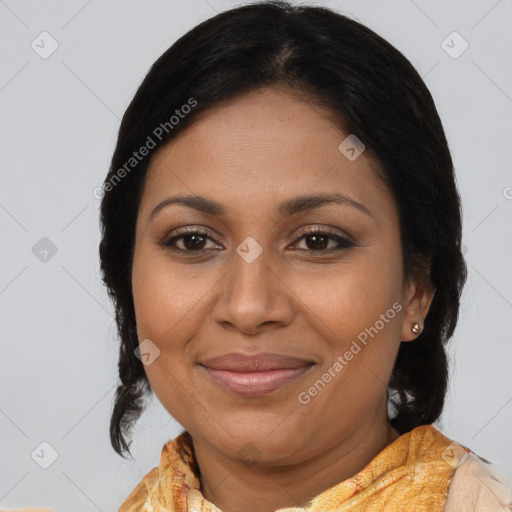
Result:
x=289 y=207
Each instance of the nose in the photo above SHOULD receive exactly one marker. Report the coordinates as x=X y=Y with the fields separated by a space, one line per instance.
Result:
x=253 y=296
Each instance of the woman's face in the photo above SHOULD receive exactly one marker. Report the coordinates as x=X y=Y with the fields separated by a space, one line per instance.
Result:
x=254 y=281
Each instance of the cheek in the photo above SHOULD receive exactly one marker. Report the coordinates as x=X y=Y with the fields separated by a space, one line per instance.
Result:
x=170 y=304
x=349 y=298
x=165 y=296
x=166 y=303
x=355 y=309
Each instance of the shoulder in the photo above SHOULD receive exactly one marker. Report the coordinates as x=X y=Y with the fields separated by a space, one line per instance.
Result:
x=477 y=486
x=138 y=497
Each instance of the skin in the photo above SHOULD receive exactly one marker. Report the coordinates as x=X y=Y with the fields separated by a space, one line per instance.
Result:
x=250 y=155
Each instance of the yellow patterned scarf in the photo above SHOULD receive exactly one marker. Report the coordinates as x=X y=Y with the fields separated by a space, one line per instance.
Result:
x=412 y=473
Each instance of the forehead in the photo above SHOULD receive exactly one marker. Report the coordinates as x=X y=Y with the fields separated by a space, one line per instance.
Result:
x=263 y=145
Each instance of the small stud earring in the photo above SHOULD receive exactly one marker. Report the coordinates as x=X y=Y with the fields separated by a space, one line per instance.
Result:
x=416 y=328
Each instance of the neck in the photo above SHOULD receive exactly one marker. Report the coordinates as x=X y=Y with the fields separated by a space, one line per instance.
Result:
x=231 y=484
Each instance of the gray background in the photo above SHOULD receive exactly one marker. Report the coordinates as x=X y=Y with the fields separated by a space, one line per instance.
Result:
x=59 y=120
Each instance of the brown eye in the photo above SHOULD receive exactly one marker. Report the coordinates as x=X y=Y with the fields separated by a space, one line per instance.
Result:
x=317 y=240
x=192 y=241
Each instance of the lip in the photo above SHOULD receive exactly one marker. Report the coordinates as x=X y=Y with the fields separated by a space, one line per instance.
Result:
x=256 y=383
x=255 y=375
x=266 y=361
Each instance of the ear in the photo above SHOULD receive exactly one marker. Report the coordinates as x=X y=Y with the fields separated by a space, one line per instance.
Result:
x=418 y=295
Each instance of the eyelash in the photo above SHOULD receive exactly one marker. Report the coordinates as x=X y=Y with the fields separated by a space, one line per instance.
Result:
x=345 y=243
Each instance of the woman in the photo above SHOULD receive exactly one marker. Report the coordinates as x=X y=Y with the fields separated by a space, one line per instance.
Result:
x=282 y=242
